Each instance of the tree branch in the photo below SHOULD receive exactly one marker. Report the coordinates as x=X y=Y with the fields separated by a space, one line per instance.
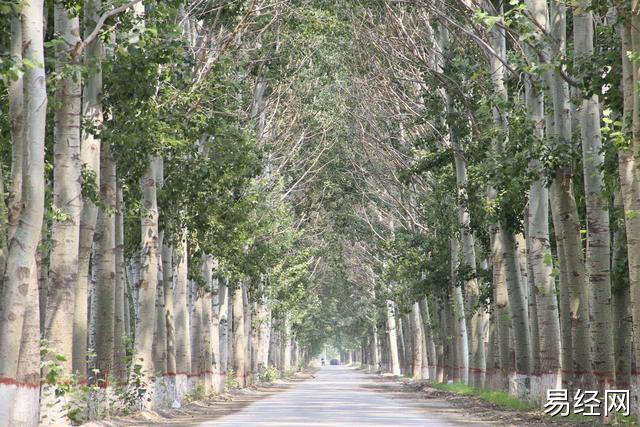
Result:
x=84 y=43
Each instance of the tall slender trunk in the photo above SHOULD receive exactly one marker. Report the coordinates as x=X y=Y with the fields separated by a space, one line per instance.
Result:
x=248 y=333
x=501 y=308
x=182 y=331
x=65 y=231
x=475 y=315
x=429 y=339
x=393 y=337
x=224 y=326
x=160 y=331
x=374 y=350
x=632 y=199
x=518 y=313
x=403 y=348
x=20 y=382
x=573 y=295
x=621 y=303
x=143 y=345
x=539 y=249
x=461 y=348
x=417 y=338
x=167 y=278
x=442 y=332
x=105 y=263
x=239 y=344
x=90 y=158
x=43 y=274
x=16 y=116
x=215 y=330
x=120 y=310
x=207 y=368
x=628 y=172
x=286 y=349
x=598 y=239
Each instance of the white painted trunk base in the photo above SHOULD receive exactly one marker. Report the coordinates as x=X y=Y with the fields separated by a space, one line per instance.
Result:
x=19 y=405
x=181 y=387
x=541 y=383
x=519 y=385
x=165 y=391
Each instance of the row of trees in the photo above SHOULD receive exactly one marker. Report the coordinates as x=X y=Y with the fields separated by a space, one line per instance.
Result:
x=195 y=187
x=498 y=211
x=156 y=241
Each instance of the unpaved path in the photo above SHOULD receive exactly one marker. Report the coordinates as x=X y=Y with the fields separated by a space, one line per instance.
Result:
x=338 y=396
x=341 y=396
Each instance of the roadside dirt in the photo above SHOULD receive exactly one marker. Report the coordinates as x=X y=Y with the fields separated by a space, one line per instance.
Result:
x=205 y=410
x=471 y=408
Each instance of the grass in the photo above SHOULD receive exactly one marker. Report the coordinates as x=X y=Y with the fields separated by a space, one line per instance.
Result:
x=504 y=400
x=501 y=399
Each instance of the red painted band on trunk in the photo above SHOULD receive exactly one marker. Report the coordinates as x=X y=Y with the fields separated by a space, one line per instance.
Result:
x=13 y=381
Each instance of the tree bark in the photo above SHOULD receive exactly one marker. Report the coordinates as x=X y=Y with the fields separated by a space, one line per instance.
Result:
x=224 y=330
x=90 y=158
x=120 y=310
x=518 y=314
x=539 y=249
x=19 y=384
x=458 y=312
x=428 y=327
x=16 y=116
x=143 y=345
x=501 y=308
x=417 y=338
x=67 y=202
x=598 y=238
x=105 y=263
x=392 y=333
x=239 y=344
x=167 y=279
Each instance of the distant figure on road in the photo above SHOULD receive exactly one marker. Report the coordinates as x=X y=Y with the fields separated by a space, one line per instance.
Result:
x=322 y=361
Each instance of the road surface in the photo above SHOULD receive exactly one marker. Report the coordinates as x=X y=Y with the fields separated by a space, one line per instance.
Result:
x=341 y=396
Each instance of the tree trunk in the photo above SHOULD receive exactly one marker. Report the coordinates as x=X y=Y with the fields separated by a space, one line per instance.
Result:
x=16 y=116
x=429 y=340
x=539 y=257
x=286 y=349
x=393 y=338
x=373 y=351
x=19 y=383
x=598 y=239
x=160 y=331
x=248 y=347
x=475 y=315
x=197 y=346
x=208 y=368
x=224 y=330
x=90 y=158
x=218 y=384
x=120 y=310
x=182 y=327
x=417 y=338
x=27 y=397
x=501 y=308
x=621 y=303
x=239 y=342
x=458 y=312
x=519 y=318
x=629 y=175
x=67 y=201
x=143 y=346
x=105 y=263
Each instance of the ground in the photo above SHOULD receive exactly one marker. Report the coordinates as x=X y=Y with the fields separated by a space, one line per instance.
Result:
x=339 y=396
